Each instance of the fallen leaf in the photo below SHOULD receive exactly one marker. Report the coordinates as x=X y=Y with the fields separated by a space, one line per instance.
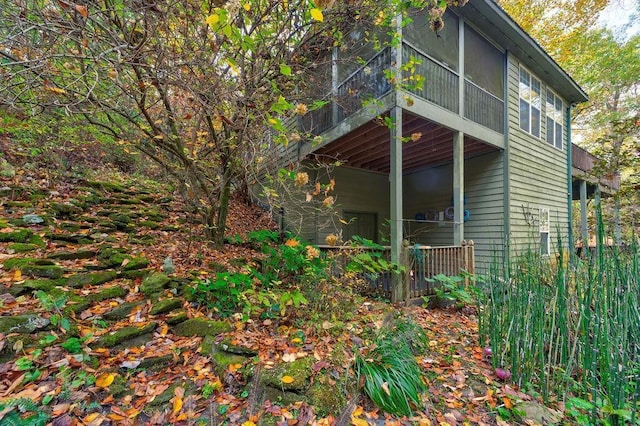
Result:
x=104 y=380
x=316 y=14
x=177 y=404
x=287 y=379
x=289 y=357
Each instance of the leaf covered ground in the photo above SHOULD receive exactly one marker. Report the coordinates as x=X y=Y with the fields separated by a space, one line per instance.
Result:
x=95 y=331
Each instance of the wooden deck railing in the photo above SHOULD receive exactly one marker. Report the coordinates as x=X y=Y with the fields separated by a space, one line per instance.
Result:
x=421 y=264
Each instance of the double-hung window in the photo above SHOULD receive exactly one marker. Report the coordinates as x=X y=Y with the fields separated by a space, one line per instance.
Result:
x=545 y=244
x=530 y=102
x=554 y=120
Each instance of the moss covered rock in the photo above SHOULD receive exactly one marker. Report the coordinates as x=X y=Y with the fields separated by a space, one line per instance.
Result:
x=19 y=236
x=64 y=209
x=28 y=323
x=95 y=278
x=177 y=318
x=43 y=271
x=108 y=293
x=166 y=305
x=201 y=327
x=72 y=255
x=222 y=360
x=326 y=396
x=135 y=263
x=22 y=247
x=299 y=370
x=121 y=312
x=154 y=283
x=45 y=285
x=122 y=335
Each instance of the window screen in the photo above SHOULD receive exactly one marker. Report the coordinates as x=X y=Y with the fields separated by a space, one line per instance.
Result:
x=442 y=46
x=483 y=63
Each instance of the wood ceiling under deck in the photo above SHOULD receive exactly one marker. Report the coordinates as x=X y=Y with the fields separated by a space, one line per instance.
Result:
x=367 y=147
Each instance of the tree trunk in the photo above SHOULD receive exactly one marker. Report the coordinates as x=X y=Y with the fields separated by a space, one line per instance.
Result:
x=220 y=225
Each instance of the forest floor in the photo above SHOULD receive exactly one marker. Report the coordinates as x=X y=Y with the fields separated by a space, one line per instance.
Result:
x=93 y=330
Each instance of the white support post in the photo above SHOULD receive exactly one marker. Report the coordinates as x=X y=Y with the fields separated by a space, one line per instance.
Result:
x=458 y=188
x=395 y=180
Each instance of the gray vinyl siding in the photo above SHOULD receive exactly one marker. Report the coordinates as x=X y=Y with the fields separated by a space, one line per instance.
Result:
x=538 y=175
x=432 y=189
x=355 y=191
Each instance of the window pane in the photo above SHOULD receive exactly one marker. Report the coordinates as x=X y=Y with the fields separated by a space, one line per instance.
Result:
x=558 y=135
x=483 y=63
x=558 y=110
x=442 y=46
x=524 y=115
x=550 y=130
x=544 y=243
x=535 y=93
x=535 y=122
x=524 y=85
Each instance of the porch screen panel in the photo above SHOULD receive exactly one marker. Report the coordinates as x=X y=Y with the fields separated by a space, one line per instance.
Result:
x=484 y=69
x=440 y=85
x=442 y=46
x=361 y=44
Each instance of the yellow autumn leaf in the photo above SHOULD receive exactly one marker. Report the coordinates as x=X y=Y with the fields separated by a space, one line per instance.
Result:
x=213 y=19
x=358 y=422
x=287 y=379
x=177 y=404
x=17 y=275
x=248 y=423
x=104 y=380
x=316 y=14
x=91 y=417
x=247 y=7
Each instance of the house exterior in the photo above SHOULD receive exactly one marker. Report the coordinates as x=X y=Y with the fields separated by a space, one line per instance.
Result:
x=481 y=150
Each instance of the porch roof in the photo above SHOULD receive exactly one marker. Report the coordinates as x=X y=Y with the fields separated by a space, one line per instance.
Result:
x=368 y=146
x=494 y=21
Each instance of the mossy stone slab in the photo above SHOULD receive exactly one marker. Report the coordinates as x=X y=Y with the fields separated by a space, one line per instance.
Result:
x=300 y=370
x=201 y=327
x=43 y=271
x=122 y=335
x=136 y=263
x=95 y=278
x=73 y=255
x=326 y=398
x=222 y=360
x=25 y=324
x=121 y=312
x=108 y=293
x=177 y=318
x=45 y=285
x=64 y=209
x=281 y=397
x=22 y=247
x=19 y=236
x=154 y=283
x=166 y=305
x=227 y=346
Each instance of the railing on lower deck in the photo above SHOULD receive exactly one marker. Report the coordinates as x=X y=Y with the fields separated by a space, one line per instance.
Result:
x=422 y=264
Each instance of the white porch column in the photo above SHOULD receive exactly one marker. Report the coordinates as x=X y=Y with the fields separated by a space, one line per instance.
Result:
x=458 y=188
x=583 y=213
x=395 y=180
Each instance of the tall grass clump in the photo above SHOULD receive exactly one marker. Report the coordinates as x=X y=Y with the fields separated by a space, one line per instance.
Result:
x=570 y=330
x=391 y=375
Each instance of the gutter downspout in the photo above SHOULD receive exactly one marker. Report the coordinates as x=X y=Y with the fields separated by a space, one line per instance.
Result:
x=570 y=188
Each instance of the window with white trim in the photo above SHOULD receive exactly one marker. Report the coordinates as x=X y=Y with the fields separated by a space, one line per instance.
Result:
x=530 y=102
x=554 y=119
x=545 y=244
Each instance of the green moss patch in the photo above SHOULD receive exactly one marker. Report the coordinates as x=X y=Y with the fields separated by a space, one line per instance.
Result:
x=166 y=305
x=201 y=327
x=22 y=247
x=108 y=293
x=19 y=236
x=154 y=283
x=43 y=271
x=73 y=255
x=122 y=335
x=121 y=312
x=96 y=278
x=300 y=370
